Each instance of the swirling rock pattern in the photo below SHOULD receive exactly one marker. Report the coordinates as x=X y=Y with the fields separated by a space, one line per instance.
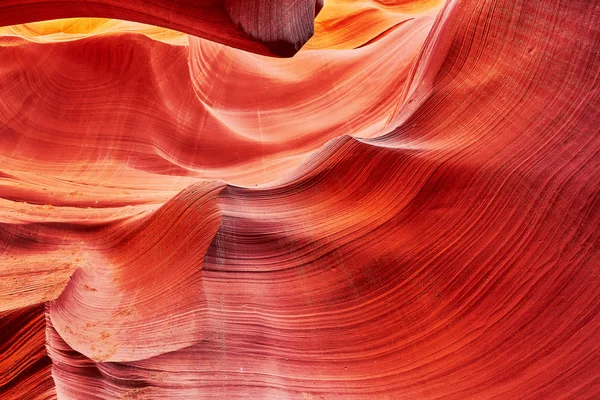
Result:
x=278 y=27
x=25 y=368
x=409 y=210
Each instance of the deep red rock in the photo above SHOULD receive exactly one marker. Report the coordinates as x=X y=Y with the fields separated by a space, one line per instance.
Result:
x=409 y=213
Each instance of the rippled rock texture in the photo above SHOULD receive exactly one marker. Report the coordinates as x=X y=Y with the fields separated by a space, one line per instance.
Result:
x=407 y=208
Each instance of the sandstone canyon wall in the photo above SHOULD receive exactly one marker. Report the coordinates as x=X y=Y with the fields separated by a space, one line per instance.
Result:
x=399 y=199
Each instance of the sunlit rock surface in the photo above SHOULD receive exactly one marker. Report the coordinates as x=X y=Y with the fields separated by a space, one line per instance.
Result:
x=407 y=208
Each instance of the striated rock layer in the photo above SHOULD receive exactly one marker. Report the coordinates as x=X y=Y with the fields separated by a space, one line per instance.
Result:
x=25 y=368
x=278 y=27
x=406 y=209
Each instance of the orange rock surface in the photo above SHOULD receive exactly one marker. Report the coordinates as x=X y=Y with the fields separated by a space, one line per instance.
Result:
x=407 y=208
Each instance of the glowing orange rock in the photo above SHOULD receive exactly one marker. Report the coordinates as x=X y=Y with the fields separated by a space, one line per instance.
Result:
x=266 y=27
x=410 y=211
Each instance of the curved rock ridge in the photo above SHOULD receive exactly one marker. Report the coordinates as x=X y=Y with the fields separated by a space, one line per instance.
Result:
x=341 y=24
x=348 y=24
x=68 y=29
x=409 y=213
x=275 y=27
x=91 y=84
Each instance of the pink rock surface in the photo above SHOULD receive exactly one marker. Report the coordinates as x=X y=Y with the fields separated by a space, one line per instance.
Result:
x=410 y=212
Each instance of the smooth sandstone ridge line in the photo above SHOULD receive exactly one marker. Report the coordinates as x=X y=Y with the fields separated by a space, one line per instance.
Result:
x=410 y=212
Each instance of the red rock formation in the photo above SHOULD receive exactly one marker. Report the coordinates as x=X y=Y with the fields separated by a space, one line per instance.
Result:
x=277 y=27
x=408 y=212
x=25 y=368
